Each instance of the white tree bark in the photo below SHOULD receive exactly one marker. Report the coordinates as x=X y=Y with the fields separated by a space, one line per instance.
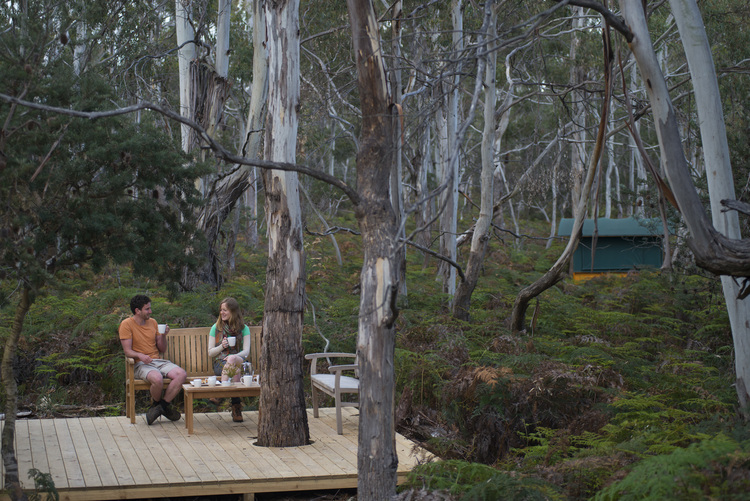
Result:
x=222 y=37
x=397 y=174
x=449 y=200
x=578 y=148
x=256 y=114
x=79 y=50
x=185 y=54
x=553 y=222
x=480 y=239
x=611 y=168
x=718 y=172
x=281 y=353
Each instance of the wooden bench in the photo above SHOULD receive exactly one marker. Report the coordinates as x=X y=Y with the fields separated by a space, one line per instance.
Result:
x=187 y=348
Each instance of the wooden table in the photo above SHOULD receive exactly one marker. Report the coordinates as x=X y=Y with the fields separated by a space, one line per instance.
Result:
x=235 y=390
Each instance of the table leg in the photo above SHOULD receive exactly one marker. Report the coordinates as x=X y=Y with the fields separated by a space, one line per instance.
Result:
x=189 y=412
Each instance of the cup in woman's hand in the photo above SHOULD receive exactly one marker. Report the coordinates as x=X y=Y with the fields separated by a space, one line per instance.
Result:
x=232 y=340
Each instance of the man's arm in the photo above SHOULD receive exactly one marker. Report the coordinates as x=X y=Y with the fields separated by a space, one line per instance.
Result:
x=161 y=341
x=127 y=347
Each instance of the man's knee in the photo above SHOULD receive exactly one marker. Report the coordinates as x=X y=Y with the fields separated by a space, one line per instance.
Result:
x=178 y=374
x=155 y=377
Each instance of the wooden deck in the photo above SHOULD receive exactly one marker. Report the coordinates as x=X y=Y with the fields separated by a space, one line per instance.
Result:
x=108 y=458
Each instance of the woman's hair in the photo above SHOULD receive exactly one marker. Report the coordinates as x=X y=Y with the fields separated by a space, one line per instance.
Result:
x=235 y=316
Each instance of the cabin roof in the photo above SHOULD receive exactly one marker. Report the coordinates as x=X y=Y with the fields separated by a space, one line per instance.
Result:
x=606 y=227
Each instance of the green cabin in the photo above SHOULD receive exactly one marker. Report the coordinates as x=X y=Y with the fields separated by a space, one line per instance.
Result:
x=622 y=245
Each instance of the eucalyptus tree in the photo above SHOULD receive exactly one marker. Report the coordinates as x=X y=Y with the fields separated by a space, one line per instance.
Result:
x=377 y=459
x=450 y=152
x=281 y=353
x=480 y=238
x=186 y=54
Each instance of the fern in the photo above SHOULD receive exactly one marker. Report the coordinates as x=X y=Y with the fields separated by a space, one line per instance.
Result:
x=473 y=481
x=87 y=365
x=700 y=471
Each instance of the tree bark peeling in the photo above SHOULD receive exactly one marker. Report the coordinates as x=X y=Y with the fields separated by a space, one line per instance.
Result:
x=282 y=393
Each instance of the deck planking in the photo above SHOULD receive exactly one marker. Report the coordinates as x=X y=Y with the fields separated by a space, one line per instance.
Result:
x=101 y=458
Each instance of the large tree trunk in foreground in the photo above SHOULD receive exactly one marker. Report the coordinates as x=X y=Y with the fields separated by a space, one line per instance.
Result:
x=10 y=463
x=719 y=175
x=282 y=394
x=377 y=461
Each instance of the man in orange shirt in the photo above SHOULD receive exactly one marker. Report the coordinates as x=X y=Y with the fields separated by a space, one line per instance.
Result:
x=140 y=339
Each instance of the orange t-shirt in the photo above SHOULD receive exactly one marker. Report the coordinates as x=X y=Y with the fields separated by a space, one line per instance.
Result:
x=144 y=337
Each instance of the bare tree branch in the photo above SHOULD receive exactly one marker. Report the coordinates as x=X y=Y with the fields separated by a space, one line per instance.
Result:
x=219 y=150
x=614 y=20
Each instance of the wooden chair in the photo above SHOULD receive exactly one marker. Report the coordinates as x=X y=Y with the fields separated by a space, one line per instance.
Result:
x=187 y=348
x=334 y=384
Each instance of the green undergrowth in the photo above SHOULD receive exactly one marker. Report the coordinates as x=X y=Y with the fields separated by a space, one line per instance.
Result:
x=614 y=377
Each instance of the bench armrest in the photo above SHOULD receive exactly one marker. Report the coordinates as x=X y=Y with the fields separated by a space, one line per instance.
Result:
x=341 y=368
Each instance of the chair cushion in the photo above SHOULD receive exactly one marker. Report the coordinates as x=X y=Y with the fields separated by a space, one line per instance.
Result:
x=328 y=381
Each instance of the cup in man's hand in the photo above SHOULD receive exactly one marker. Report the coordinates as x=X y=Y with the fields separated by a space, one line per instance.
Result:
x=162 y=328
x=232 y=340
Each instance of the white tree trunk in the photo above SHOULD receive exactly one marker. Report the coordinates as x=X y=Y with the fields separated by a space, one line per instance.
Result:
x=480 y=239
x=718 y=172
x=256 y=114
x=611 y=168
x=424 y=208
x=222 y=37
x=578 y=149
x=79 y=51
x=449 y=202
x=185 y=54
x=281 y=353
x=397 y=174
x=553 y=224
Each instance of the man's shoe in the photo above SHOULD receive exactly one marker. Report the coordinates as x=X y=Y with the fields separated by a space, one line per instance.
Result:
x=153 y=413
x=170 y=411
x=237 y=413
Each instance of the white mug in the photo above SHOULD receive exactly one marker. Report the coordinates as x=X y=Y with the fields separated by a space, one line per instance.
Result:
x=197 y=383
x=246 y=380
x=212 y=381
x=162 y=328
x=232 y=340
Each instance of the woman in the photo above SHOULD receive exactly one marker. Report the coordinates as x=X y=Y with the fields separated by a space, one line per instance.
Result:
x=229 y=324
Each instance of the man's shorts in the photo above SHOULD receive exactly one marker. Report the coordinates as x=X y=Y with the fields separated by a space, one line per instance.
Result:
x=157 y=364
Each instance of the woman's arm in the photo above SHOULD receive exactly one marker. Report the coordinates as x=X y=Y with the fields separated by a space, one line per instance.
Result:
x=245 y=353
x=213 y=350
